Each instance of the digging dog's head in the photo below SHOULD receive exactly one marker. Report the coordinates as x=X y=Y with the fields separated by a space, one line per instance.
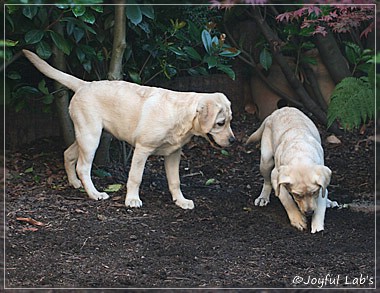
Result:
x=213 y=120
x=304 y=184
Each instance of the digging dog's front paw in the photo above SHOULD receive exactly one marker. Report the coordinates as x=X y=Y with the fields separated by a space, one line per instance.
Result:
x=261 y=201
x=298 y=221
x=99 y=196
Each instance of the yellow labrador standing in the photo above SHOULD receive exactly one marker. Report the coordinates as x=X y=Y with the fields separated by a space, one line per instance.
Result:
x=154 y=121
x=292 y=162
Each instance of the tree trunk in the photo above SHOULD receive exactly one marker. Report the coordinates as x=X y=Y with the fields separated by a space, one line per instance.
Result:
x=102 y=156
x=332 y=57
x=62 y=98
x=275 y=46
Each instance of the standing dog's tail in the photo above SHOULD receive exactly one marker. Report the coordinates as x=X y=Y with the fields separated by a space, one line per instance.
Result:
x=70 y=81
x=256 y=136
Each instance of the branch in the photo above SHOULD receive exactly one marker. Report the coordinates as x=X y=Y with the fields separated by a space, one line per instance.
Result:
x=249 y=60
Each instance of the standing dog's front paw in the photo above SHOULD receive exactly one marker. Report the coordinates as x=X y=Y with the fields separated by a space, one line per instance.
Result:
x=298 y=221
x=99 y=196
x=133 y=202
x=186 y=204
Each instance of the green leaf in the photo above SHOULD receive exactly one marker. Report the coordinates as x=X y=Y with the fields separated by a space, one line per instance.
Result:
x=14 y=75
x=60 y=42
x=211 y=61
x=101 y=173
x=210 y=181
x=43 y=50
x=88 y=17
x=230 y=52
x=29 y=170
x=135 y=77
x=78 y=10
x=113 y=188
x=42 y=87
x=206 y=40
x=228 y=70
x=78 y=34
x=34 y=36
x=147 y=10
x=225 y=153
x=134 y=14
x=192 y=53
x=177 y=51
x=97 y=8
x=30 y=11
x=265 y=59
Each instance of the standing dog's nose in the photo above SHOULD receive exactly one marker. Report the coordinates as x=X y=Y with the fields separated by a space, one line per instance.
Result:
x=231 y=140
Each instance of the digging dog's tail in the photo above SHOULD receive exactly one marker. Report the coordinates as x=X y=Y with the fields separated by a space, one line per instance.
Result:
x=256 y=136
x=67 y=80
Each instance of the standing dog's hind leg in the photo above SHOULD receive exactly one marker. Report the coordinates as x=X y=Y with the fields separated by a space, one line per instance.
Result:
x=71 y=157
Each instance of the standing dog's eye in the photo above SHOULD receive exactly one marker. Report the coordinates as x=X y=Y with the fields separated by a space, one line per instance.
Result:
x=221 y=123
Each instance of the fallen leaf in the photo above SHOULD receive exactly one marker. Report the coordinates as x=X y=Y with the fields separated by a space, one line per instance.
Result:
x=113 y=188
x=30 y=221
x=333 y=140
x=32 y=229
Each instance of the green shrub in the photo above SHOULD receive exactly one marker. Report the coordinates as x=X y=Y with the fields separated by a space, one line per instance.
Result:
x=352 y=102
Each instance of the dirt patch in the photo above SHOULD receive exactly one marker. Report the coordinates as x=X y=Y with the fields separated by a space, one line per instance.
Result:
x=224 y=242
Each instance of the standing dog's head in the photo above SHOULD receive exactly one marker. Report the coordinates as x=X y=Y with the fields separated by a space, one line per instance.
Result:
x=213 y=119
x=304 y=184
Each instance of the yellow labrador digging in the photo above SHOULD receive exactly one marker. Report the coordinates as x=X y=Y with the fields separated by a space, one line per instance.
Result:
x=292 y=163
x=153 y=120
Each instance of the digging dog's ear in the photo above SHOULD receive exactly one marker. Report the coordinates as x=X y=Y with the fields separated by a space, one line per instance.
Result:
x=207 y=111
x=282 y=178
x=322 y=176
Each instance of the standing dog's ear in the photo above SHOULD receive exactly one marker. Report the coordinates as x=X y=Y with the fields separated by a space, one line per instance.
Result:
x=322 y=176
x=207 y=111
x=282 y=178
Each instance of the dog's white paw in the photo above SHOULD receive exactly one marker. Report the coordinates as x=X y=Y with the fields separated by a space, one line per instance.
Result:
x=99 y=196
x=186 y=204
x=76 y=183
x=133 y=202
x=298 y=221
x=316 y=228
x=261 y=201
x=332 y=204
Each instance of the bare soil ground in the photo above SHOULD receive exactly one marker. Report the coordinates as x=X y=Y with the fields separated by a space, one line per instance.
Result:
x=225 y=242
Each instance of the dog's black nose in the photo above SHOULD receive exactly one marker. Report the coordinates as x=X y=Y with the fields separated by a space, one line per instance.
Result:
x=309 y=213
x=231 y=140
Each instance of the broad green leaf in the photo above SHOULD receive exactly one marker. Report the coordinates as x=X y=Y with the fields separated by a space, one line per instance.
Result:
x=30 y=11
x=43 y=50
x=29 y=170
x=97 y=8
x=192 y=53
x=113 y=188
x=14 y=75
x=42 y=87
x=265 y=59
x=177 y=51
x=60 y=42
x=135 y=77
x=147 y=10
x=78 y=34
x=225 y=153
x=133 y=13
x=206 y=40
x=8 y=43
x=229 y=52
x=228 y=70
x=211 y=61
x=34 y=36
x=78 y=10
x=88 y=17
